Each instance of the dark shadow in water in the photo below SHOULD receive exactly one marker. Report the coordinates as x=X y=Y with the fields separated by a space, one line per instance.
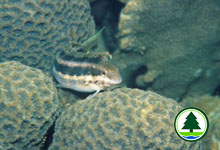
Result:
x=217 y=91
x=132 y=79
x=48 y=137
x=111 y=8
x=106 y=14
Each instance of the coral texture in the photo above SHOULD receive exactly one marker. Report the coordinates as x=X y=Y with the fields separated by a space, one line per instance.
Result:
x=28 y=106
x=179 y=44
x=32 y=31
x=66 y=98
x=120 y=119
x=211 y=106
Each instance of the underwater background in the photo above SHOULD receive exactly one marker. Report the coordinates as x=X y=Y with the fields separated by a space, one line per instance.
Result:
x=167 y=53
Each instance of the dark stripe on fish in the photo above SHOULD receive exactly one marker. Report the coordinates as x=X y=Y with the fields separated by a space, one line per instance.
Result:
x=78 y=71
x=79 y=57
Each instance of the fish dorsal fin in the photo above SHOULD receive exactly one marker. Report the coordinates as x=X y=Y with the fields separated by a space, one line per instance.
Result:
x=91 y=42
x=85 y=47
x=92 y=38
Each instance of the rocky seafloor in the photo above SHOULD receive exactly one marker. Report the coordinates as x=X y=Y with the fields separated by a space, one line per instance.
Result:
x=168 y=54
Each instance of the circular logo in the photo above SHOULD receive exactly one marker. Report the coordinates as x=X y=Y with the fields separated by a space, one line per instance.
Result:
x=191 y=124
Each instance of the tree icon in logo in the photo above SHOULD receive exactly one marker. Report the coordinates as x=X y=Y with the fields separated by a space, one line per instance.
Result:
x=191 y=122
x=194 y=120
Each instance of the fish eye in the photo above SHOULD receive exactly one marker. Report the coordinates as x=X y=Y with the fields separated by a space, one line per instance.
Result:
x=104 y=72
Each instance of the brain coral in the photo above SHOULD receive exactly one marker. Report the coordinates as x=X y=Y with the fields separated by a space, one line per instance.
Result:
x=32 y=31
x=211 y=106
x=178 y=42
x=28 y=106
x=66 y=98
x=120 y=119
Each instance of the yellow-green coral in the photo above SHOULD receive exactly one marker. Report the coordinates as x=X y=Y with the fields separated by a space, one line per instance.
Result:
x=120 y=119
x=28 y=106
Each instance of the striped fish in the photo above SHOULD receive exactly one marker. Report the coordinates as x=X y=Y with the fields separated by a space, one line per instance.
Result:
x=84 y=73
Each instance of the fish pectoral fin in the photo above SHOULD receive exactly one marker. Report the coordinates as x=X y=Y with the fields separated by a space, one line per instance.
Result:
x=94 y=94
x=113 y=87
x=61 y=86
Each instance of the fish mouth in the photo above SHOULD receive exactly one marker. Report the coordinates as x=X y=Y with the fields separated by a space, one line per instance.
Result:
x=116 y=80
